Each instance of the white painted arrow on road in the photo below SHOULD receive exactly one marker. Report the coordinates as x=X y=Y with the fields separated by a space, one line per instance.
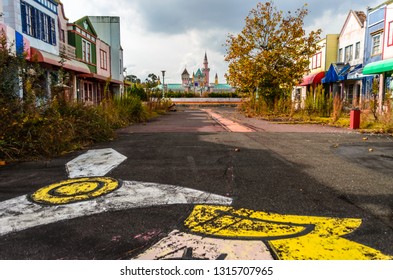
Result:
x=94 y=163
x=89 y=196
x=20 y=213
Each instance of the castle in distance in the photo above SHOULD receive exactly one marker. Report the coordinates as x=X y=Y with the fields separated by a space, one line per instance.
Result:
x=199 y=82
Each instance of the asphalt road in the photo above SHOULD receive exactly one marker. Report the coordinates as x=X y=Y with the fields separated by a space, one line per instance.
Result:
x=300 y=192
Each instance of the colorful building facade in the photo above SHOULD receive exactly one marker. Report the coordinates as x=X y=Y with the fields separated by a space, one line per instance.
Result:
x=379 y=50
x=343 y=77
x=319 y=64
x=75 y=59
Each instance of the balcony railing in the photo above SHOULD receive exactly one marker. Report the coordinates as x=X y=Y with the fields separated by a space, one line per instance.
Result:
x=67 y=50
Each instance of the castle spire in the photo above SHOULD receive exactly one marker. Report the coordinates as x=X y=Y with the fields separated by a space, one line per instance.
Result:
x=206 y=70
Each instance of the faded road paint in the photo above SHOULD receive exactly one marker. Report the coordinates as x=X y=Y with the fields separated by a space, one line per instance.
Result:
x=228 y=124
x=290 y=237
x=177 y=243
x=94 y=163
x=21 y=213
x=75 y=190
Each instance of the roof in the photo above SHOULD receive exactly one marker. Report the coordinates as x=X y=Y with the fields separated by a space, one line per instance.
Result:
x=358 y=15
x=69 y=64
x=185 y=72
x=337 y=72
x=222 y=86
x=85 y=23
x=172 y=86
x=371 y=9
x=199 y=73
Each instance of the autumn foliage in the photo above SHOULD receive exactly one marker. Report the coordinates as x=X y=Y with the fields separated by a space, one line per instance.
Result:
x=271 y=53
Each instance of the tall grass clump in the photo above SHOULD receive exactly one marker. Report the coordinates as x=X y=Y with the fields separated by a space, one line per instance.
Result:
x=337 y=108
x=318 y=103
x=60 y=127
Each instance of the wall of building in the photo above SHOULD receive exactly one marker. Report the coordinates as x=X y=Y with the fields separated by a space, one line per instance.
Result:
x=331 y=49
x=16 y=22
x=108 y=30
x=103 y=61
x=75 y=39
x=375 y=23
x=12 y=14
x=352 y=33
x=320 y=56
x=388 y=34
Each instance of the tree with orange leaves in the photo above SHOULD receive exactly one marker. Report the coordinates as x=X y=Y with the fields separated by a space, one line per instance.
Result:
x=271 y=54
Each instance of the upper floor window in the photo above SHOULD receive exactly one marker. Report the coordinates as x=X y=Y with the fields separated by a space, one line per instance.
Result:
x=62 y=35
x=49 y=4
x=38 y=24
x=104 y=60
x=348 y=53
x=86 y=51
x=376 y=47
x=340 y=55
x=390 y=34
x=357 y=50
x=317 y=60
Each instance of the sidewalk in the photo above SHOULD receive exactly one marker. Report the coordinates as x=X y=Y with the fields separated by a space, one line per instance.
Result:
x=268 y=126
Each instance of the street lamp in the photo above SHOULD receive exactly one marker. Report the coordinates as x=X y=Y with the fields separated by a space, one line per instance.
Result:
x=163 y=83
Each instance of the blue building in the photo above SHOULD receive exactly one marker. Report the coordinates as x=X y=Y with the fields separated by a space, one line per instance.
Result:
x=373 y=49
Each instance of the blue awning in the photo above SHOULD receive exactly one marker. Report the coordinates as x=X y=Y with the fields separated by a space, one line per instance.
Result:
x=337 y=72
x=357 y=73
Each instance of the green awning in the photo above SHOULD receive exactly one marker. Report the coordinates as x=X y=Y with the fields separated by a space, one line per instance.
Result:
x=378 y=67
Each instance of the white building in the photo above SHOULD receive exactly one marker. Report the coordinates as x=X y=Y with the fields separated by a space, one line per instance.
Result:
x=351 y=51
x=36 y=19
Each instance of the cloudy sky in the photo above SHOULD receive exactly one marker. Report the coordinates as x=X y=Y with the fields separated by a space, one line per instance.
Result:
x=173 y=34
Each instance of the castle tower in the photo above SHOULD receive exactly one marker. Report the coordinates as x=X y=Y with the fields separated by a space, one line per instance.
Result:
x=185 y=77
x=206 y=70
x=216 y=79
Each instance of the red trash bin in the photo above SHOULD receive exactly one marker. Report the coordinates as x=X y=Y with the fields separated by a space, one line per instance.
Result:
x=355 y=119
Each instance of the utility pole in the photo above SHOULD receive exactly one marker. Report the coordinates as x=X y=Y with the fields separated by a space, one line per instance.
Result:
x=163 y=83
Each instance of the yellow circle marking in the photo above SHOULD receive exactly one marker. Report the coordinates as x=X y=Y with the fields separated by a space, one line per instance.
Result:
x=75 y=190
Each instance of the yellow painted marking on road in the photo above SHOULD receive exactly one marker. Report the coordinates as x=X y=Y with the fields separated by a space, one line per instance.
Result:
x=78 y=188
x=75 y=190
x=290 y=237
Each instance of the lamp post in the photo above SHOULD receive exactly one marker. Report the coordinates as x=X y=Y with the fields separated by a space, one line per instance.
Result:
x=163 y=83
